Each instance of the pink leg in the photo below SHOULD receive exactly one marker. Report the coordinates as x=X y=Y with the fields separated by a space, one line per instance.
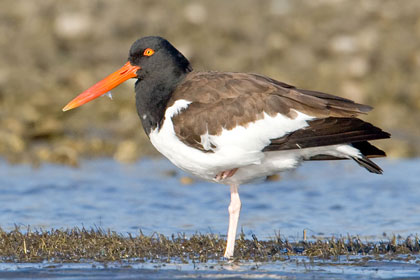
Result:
x=226 y=174
x=234 y=210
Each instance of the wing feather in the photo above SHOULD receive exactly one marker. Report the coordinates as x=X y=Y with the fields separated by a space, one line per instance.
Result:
x=328 y=131
x=221 y=100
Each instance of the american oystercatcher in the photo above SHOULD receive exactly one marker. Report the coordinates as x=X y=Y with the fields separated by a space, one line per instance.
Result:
x=234 y=128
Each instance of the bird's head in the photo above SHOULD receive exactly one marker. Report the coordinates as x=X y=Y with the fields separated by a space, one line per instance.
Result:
x=149 y=58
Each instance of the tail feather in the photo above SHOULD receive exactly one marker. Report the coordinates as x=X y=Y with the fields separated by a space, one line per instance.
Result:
x=351 y=133
x=368 y=149
x=368 y=164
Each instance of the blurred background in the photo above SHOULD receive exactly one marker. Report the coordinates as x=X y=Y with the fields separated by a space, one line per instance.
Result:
x=50 y=51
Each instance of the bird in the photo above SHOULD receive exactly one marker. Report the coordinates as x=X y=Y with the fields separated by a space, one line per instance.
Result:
x=235 y=128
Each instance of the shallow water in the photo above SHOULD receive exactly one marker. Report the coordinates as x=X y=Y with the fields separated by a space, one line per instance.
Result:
x=326 y=198
x=294 y=268
x=331 y=198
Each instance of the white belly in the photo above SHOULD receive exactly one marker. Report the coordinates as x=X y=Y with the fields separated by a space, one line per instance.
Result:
x=237 y=148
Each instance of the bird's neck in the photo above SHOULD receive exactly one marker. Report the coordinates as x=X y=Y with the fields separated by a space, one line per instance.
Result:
x=152 y=96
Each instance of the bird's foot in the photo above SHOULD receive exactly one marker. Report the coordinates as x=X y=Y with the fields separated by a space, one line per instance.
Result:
x=228 y=255
x=225 y=174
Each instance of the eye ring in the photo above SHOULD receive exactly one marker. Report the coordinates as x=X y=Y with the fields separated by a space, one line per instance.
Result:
x=148 y=52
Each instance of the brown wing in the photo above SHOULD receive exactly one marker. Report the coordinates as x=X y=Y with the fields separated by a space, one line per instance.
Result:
x=224 y=100
x=328 y=131
x=332 y=131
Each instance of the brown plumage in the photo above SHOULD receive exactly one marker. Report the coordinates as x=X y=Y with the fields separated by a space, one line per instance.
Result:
x=223 y=100
x=328 y=131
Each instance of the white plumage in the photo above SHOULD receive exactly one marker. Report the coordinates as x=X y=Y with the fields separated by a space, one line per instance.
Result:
x=240 y=147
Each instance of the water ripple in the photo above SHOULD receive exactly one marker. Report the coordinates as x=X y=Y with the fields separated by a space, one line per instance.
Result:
x=331 y=198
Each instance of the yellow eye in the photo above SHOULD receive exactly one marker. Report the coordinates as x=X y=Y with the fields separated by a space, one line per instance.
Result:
x=148 y=52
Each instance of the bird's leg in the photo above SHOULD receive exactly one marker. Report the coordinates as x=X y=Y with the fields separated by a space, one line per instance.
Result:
x=226 y=174
x=234 y=210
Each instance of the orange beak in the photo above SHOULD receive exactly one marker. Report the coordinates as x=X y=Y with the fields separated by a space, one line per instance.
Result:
x=118 y=77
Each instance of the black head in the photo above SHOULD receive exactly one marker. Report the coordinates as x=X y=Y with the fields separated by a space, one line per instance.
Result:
x=157 y=57
x=159 y=68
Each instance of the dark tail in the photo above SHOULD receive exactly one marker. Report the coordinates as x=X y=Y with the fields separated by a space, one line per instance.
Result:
x=368 y=151
x=368 y=164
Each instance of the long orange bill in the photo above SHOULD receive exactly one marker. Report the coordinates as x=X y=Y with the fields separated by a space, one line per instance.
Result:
x=123 y=74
